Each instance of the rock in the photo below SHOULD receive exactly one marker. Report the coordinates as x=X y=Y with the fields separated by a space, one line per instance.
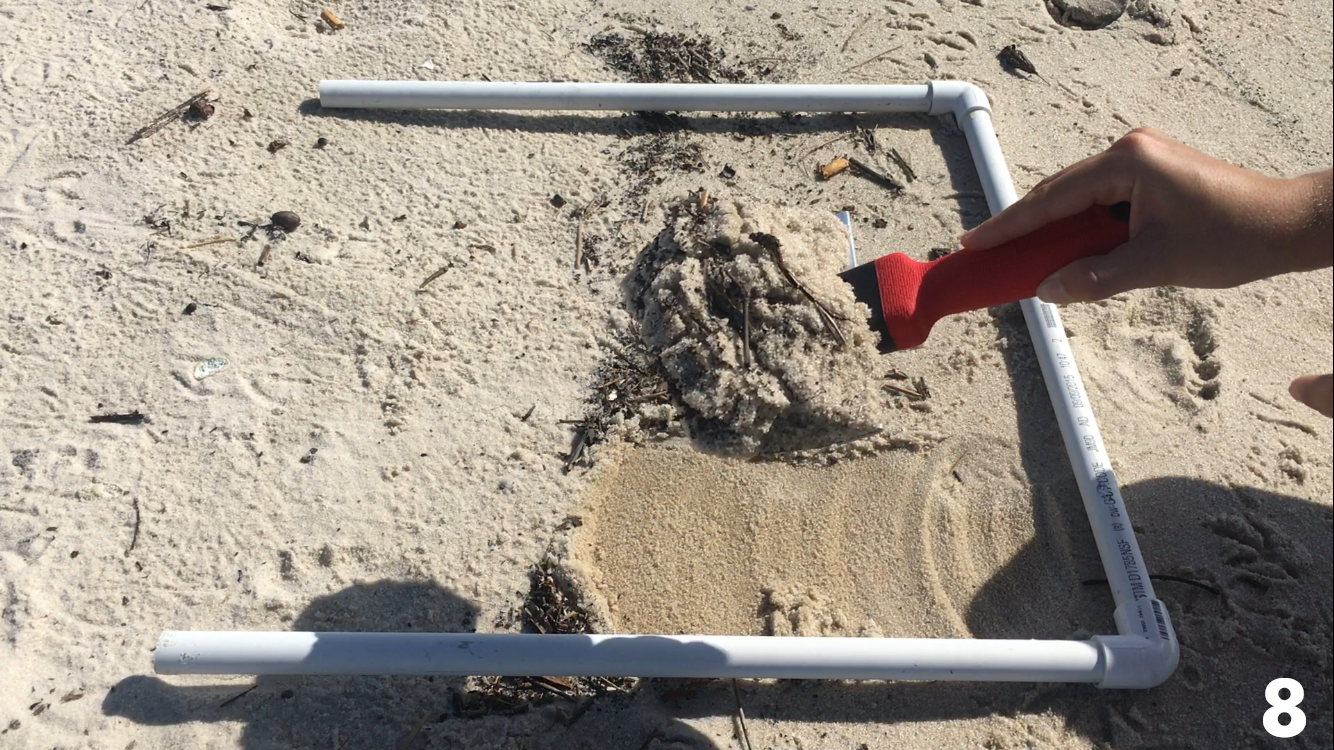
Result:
x=1087 y=14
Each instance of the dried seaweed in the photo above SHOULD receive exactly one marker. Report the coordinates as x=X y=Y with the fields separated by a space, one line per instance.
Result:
x=552 y=606
x=666 y=58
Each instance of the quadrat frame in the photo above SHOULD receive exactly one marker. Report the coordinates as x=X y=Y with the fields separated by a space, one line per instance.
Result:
x=1142 y=654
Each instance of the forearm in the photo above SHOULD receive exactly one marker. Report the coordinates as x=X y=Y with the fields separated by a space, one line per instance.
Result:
x=1311 y=245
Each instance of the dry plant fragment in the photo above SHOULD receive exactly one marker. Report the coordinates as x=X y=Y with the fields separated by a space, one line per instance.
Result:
x=166 y=118
x=334 y=22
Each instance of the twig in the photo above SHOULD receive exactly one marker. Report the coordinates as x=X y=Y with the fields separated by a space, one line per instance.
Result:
x=898 y=159
x=770 y=243
x=741 y=717
x=870 y=60
x=644 y=397
x=579 y=242
x=745 y=334
x=914 y=395
x=435 y=276
x=134 y=417
x=1163 y=577
x=528 y=413
x=416 y=731
x=884 y=181
x=847 y=41
x=134 y=536
x=583 y=213
x=810 y=151
x=205 y=243
x=237 y=697
x=166 y=118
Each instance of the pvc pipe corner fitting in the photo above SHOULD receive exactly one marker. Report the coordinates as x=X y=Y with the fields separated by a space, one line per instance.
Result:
x=956 y=97
x=1146 y=653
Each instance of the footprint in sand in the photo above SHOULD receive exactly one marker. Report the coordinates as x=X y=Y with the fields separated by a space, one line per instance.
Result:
x=1159 y=346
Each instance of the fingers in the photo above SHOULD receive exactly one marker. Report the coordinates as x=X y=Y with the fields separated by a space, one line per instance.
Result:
x=1316 y=391
x=1101 y=276
x=1103 y=179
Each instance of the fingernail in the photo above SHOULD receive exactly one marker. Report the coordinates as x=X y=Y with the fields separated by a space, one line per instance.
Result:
x=963 y=238
x=1053 y=291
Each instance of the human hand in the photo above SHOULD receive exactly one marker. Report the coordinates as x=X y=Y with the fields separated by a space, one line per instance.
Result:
x=1316 y=391
x=1194 y=220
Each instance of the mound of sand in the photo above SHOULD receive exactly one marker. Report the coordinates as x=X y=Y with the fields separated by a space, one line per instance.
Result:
x=765 y=345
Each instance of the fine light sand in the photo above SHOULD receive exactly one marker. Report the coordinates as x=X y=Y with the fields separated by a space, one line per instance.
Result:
x=376 y=455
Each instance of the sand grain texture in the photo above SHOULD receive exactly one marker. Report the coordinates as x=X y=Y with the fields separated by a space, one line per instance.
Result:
x=381 y=456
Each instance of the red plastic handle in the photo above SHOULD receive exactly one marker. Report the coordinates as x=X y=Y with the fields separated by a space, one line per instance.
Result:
x=913 y=295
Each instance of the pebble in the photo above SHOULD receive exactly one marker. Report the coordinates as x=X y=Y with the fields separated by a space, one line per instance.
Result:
x=1089 y=14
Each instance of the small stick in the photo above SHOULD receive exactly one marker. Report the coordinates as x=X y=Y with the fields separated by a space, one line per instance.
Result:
x=435 y=276
x=870 y=60
x=264 y=255
x=741 y=717
x=770 y=243
x=644 y=397
x=861 y=170
x=166 y=118
x=205 y=243
x=745 y=334
x=579 y=241
x=134 y=417
x=238 y=697
x=898 y=159
x=810 y=151
x=528 y=413
x=588 y=210
x=134 y=537
x=413 y=737
x=848 y=41
x=914 y=395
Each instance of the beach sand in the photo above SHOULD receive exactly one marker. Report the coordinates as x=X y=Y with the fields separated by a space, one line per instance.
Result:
x=383 y=454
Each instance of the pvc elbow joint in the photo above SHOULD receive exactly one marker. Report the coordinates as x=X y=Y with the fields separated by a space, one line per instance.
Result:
x=1142 y=660
x=956 y=97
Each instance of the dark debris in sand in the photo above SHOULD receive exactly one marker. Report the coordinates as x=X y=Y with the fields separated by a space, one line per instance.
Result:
x=666 y=58
x=551 y=607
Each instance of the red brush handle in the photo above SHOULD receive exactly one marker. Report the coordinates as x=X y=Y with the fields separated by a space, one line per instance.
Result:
x=913 y=295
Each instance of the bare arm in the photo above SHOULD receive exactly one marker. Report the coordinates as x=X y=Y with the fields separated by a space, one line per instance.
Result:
x=1194 y=221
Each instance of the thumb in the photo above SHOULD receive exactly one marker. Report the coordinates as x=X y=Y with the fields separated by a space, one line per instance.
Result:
x=1316 y=391
x=1129 y=266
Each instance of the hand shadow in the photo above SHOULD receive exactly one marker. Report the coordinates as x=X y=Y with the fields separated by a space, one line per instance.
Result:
x=355 y=712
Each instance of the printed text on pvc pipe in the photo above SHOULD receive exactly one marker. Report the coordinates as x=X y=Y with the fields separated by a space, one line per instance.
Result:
x=1102 y=476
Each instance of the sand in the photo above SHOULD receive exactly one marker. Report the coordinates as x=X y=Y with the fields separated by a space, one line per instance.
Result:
x=765 y=347
x=377 y=455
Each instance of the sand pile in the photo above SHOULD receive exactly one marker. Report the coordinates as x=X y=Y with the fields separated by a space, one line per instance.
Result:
x=766 y=347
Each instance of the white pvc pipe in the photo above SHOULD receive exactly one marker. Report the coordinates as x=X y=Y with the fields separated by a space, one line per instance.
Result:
x=1138 y=612
x=1143 y=655
x=625 y=97
x=628 y=656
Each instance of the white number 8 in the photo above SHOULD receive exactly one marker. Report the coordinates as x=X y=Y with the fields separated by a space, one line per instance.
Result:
x=1279 y=706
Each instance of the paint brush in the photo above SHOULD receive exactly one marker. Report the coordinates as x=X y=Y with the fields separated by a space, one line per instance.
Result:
x=907 y=297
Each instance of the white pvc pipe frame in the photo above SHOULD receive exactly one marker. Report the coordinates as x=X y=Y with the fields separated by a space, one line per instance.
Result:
x=1143 y=654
